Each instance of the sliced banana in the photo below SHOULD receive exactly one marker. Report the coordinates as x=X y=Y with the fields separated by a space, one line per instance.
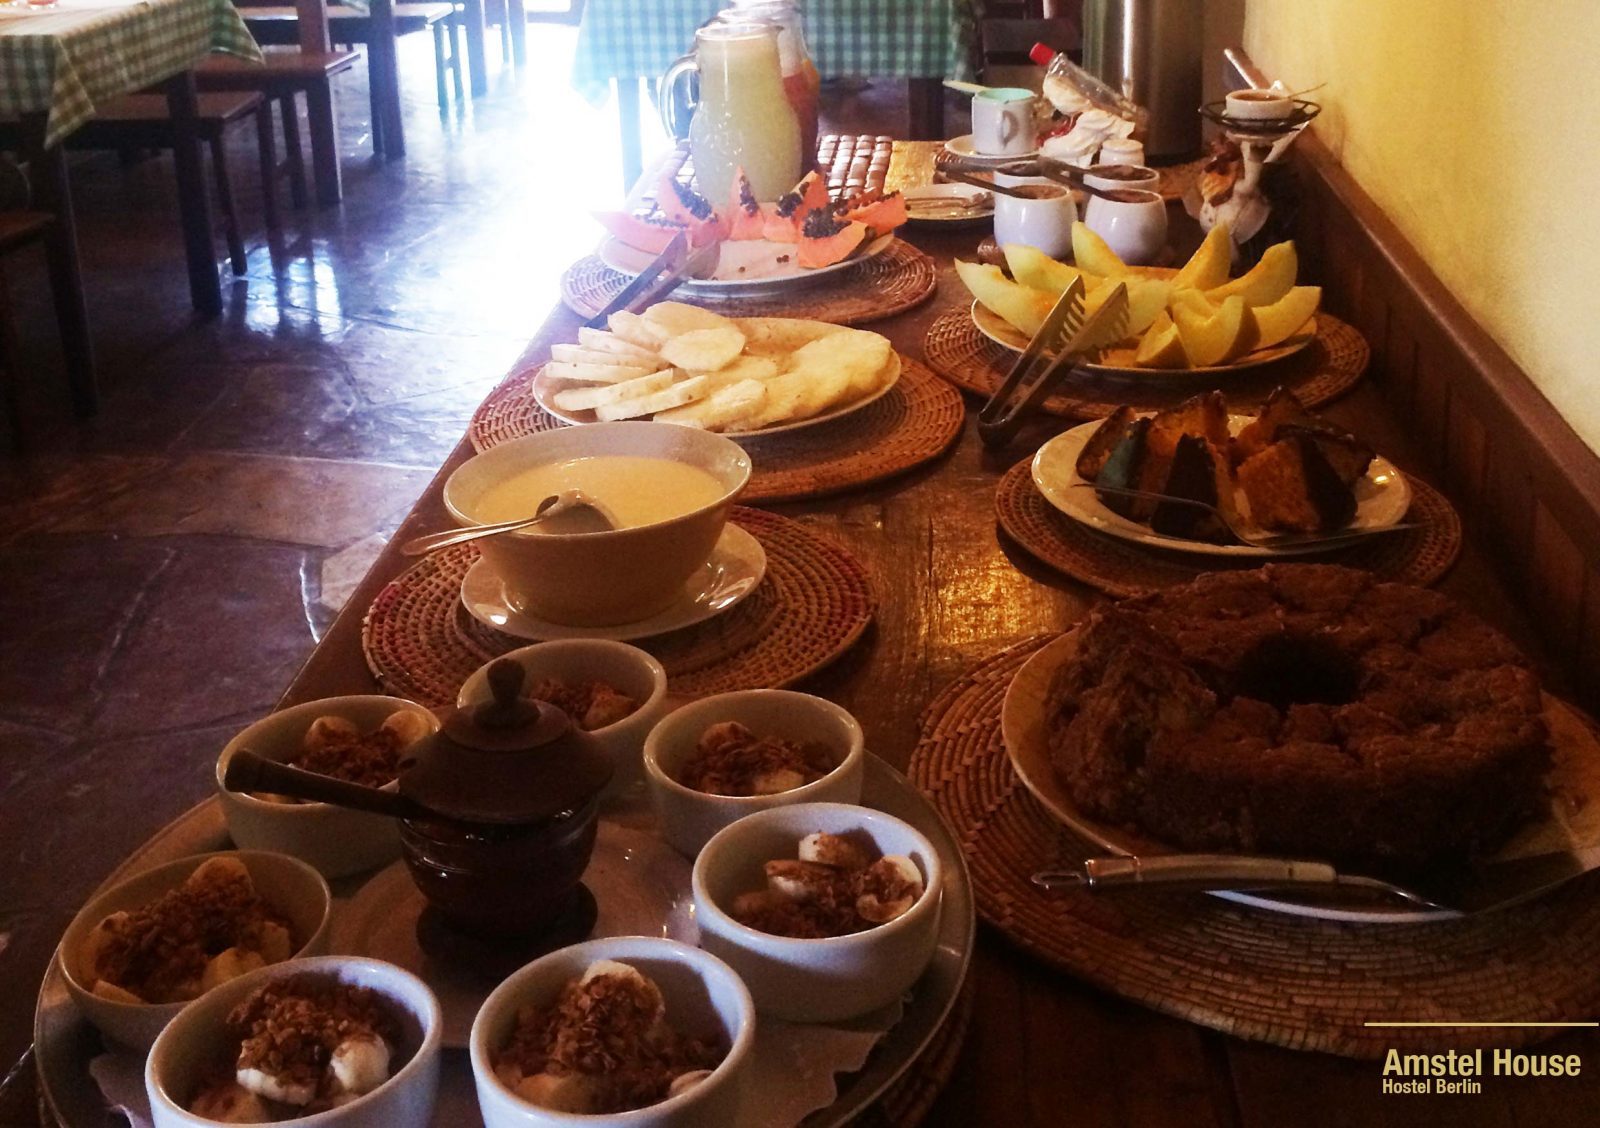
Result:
x=568 y=1092
x=890 y=886
x=221 y=869
x=833 y=850
x=641 y=983
x=231 y=1104
x=360 y=1063
x=230 y=963
x=797 y=880
x=264 y=1084
x=327 y=731
x=408 y=726
x=274 y=942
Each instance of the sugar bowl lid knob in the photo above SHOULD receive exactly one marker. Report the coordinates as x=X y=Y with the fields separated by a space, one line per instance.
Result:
x=511 y=759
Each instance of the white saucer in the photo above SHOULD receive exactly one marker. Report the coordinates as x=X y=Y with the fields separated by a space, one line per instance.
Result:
x=962 y=147
x=733 y=572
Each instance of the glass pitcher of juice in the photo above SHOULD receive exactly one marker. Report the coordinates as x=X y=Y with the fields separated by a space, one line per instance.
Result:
x=801 y=82
x=743 y=117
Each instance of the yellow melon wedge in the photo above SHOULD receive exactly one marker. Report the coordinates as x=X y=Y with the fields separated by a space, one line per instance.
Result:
x=1281 y=320
x=1147 y=297
x=1192 y=299
x=1266 y=281
x=1089 y=252
x=1032 y=267
x=1207 y=268
x=1020 y=306
x=1210 y=340
x=1161 y=347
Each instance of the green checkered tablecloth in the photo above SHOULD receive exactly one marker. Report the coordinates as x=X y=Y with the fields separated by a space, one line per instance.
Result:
x=66 y=59
x=870 y=38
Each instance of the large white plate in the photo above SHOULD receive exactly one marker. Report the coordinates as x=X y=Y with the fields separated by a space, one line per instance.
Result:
x=1382 y=498
x=545 y=387
x=1573 y=819
x=1119 y=361
x=743 y=266
x=737 y=564
x=65 y=1043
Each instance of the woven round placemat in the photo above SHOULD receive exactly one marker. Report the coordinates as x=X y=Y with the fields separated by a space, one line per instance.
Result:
x=899 y=279
x=907 y=1102
x=914 y=423
x=812 y=606
x=1119 y=567
x=1321 y=372
x=1270 y=977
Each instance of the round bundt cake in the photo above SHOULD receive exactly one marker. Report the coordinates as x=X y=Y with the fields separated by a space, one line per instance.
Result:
x=1302 y=710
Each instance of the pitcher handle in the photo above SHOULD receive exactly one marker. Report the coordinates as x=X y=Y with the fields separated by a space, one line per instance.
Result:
x=675 y=110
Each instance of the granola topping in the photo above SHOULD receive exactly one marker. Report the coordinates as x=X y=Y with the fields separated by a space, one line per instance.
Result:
x=729 y=759
x=605 y=1046
x=334 y=746
x=833 y=888
x=591 y=704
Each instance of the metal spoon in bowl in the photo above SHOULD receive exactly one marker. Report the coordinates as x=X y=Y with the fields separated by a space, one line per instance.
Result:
x=571 y=511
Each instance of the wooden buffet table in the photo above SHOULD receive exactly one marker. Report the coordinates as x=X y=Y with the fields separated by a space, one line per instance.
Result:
x=1042 y=1049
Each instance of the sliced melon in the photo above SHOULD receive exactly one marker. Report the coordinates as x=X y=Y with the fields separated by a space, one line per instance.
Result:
x=1266 y=281
x=1161 y=347
x=1209 y=340
x=1279 y=321
x=1018 y=305
x=1032 y=267
x=1207 y=268
x=1147 y=297
x=1091 y=253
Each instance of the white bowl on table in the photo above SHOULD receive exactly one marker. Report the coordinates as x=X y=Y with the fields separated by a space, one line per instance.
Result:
x=188 y=1047
x=689 y=818
x=701 y=993
x=1134 y=224
x=606 y=578
x=335 y=840
x=823 y=980
x=288 y=885
x=1122 y=176
x=627 y=669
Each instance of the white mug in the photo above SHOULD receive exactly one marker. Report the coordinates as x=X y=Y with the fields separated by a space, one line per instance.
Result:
x=1135 y=227
x=1003 y=123
x=1044 y=220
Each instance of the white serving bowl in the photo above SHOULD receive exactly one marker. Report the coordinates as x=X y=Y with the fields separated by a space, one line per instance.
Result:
x=601 y=579
x=336 y=841
x=627 y=669
x=688 y=817
x=701 y=993
x=188 y=1046
x=822 y=980
x=290 y=886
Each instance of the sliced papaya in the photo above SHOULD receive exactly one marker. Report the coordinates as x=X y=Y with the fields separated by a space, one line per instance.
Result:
x=680 y=203
x=745 y=219
x=785 y=218
x=882 y=213
x=826 y=238
x=644 y=233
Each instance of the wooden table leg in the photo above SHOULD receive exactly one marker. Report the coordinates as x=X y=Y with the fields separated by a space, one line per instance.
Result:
x=51 y=193
x=927 y=109
x=628 y=119
x=324 y=144
x=477 y=32
x=517 y=21
x=384 y=67
x=194 y=202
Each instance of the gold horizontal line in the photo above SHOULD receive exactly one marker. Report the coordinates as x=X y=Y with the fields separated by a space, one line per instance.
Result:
x=1479 y=1024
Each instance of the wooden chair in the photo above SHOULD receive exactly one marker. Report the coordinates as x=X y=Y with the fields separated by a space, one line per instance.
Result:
x=281 y=77
x=18 y=229
x=141 y=121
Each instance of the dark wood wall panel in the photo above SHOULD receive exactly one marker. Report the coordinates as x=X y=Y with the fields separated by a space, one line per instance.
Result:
x=1526 y=484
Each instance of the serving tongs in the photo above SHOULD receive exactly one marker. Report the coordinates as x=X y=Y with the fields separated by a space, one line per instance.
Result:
x=1066 y=339
x=659 y=277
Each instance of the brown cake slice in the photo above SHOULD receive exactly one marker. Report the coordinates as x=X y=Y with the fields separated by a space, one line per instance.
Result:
x=1291 y=486
x=1112 y=430
x=1198 y=472
x=1282 y=409
x=1205 y=416
x=1347 y=455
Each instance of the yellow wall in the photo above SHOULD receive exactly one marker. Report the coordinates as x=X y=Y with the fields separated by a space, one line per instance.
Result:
x=1475 y=124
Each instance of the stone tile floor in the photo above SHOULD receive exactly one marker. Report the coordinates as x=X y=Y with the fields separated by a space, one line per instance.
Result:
x=166 y=566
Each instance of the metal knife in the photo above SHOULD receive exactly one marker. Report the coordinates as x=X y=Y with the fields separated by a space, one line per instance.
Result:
x=660 y=276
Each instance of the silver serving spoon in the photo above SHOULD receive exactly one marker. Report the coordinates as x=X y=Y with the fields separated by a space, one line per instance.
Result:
x=571 y=511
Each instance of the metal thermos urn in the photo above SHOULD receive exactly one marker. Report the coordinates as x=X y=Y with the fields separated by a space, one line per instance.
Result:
x=1150 y=51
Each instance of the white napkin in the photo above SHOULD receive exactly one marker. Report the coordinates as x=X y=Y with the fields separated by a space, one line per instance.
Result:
x=120 y=1075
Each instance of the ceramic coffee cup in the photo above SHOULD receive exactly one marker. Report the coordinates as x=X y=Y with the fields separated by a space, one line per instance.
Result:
x=1003 y=123
x=1044 y=219
x=1131 y=221
x=1259 y=105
